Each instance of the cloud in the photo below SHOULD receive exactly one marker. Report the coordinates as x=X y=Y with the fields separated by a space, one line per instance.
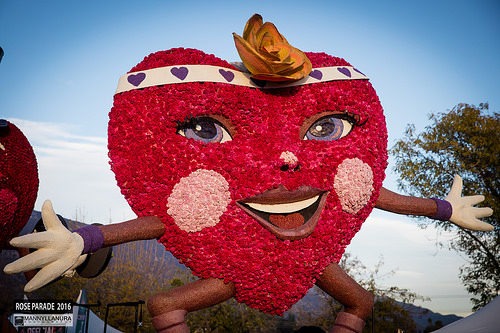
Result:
x=74 y=173
x=412 y=259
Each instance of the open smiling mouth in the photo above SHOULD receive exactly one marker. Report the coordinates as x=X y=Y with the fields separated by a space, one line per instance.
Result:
x=287 y=214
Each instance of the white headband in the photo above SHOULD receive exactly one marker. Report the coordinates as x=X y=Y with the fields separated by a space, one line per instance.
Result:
x=207 y=73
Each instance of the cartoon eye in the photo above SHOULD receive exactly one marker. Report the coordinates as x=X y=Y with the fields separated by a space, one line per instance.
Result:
x=4 y=130
x=204 y=129
x=329 y=128
x=4 y=126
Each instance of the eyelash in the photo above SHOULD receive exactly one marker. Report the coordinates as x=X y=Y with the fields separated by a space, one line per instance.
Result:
x=328 y=118
x=187 y=123
x=354 y=119
x=192 y=128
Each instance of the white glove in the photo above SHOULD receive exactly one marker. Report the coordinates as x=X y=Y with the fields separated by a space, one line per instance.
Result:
x=464 y=214
x=59 y=251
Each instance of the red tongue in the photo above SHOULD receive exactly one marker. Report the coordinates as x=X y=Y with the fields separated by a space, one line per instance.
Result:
x=290 y=221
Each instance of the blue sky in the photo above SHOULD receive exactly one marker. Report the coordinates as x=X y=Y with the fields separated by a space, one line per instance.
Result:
x=421 y=56
x=63 y=59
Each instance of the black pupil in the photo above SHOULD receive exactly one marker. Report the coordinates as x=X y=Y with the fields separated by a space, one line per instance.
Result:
x=322 y=128
x=205 y=128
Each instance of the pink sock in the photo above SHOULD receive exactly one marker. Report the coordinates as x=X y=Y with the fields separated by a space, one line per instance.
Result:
x=171 y=322
x=348 y=323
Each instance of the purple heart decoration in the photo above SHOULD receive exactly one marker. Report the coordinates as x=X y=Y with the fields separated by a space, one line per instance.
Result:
x=179 y=72
x=360 y=72
x=344 y=71
x=318 y=75
x=136 y=79
x=227 y=75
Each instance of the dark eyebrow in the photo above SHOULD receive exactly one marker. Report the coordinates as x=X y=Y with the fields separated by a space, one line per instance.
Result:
x=358 y=121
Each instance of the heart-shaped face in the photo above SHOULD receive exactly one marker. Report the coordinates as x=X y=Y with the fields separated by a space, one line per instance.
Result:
x=18 y=181
x=263 y=188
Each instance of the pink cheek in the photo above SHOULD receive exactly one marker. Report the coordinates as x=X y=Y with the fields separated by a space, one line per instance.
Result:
x=199 y=200
x=353 y=184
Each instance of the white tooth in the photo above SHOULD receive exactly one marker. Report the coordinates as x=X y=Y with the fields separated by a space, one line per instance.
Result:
x=285 y=208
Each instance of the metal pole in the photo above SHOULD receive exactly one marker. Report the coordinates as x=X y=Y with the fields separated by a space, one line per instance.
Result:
x=136 y=317
x=87 y=312
x=140 y=316
x=106 y=318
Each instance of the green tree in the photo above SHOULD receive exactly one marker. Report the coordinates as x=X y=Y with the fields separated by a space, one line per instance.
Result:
x=433 y=326
x=231 y=316
x=463 y=141
x=388 y=315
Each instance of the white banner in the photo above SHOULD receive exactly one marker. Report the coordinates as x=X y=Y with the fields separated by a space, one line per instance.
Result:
x=30 y=320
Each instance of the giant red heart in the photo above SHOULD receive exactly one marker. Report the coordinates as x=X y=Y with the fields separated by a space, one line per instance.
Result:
x=219 y=162
x=18 y=181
